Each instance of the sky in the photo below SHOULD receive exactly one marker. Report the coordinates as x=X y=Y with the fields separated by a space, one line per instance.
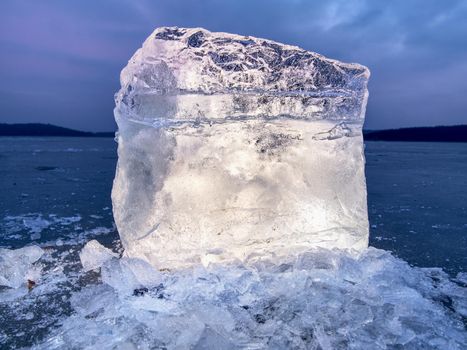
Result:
x=60 y=60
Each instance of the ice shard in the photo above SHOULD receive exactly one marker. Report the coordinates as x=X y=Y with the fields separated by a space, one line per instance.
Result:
x=237 y=148
x=94 y=255
x=16 y=265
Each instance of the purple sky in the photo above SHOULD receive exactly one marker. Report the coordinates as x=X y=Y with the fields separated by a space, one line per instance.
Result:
x=60 y=60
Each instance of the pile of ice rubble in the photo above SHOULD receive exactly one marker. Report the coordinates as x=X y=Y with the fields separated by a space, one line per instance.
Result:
x=321 y=299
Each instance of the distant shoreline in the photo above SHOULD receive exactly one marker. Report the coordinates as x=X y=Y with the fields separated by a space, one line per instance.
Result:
x=38 y=129
x=455 y=133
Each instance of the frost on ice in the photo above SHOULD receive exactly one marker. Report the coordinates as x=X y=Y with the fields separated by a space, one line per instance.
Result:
x=16 y=265
x=233 y=148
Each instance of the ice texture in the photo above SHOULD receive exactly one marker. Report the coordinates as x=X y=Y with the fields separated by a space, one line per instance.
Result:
x=94 y=255
x=317 y=300
x=16 y=265
x=234 y=147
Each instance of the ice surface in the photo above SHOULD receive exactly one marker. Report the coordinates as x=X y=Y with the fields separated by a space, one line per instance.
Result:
x=317 y=300
x=94 y=255
x=235 y=147
x=16 y=265
x=36 y=223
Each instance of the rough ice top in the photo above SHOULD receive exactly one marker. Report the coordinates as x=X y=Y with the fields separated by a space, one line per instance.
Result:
x=196 y=74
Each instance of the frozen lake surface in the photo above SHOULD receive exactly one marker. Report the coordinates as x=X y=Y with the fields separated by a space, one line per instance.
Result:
x=55 y=192
x=417 y=201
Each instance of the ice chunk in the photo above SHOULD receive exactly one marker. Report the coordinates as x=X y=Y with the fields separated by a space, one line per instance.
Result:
x=16 y=265
x=239 y=146
x=94 y=255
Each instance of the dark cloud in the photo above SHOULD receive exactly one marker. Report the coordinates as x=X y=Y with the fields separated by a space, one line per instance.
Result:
x=60 y=60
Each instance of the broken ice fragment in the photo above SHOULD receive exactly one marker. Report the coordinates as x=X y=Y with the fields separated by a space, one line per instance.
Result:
x=126 y=275
x=237 y=145
x=16 y=265
x=94 y=255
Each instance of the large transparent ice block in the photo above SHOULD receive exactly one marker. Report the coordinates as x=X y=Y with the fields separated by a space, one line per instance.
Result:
x=237 y=148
